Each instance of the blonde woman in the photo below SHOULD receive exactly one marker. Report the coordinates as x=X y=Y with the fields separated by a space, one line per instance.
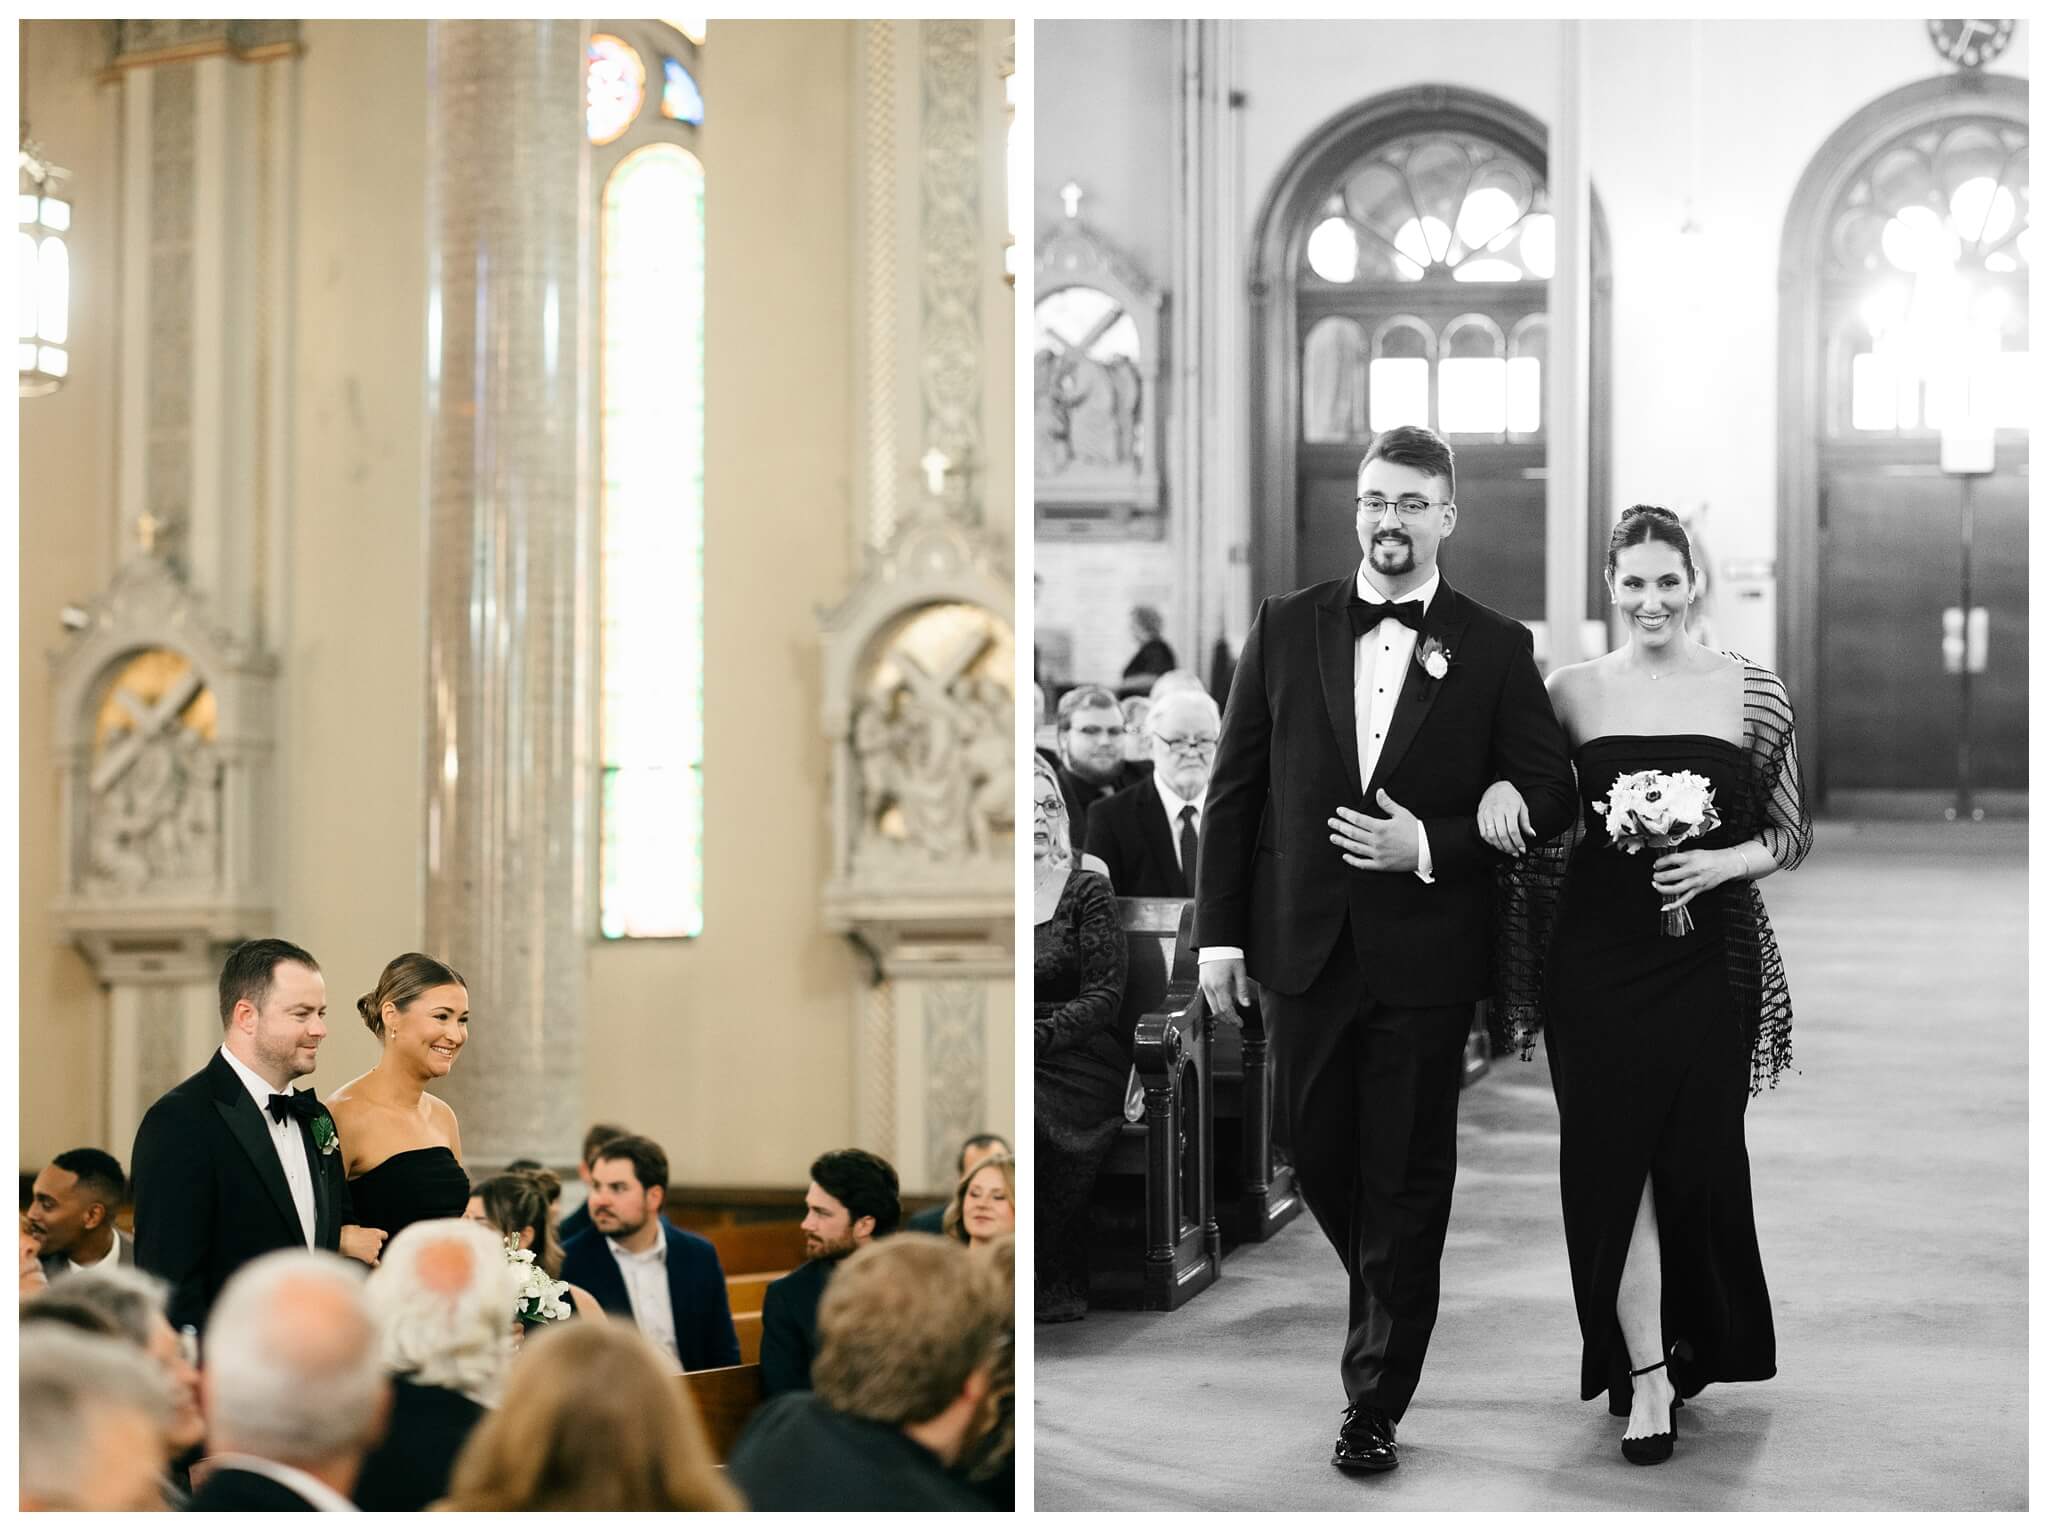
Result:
x=1077 y=990
x=592 y=1420
x=984 y=1204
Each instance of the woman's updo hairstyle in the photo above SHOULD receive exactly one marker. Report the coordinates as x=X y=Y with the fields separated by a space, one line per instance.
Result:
x=1651 y=523
x=405 y=979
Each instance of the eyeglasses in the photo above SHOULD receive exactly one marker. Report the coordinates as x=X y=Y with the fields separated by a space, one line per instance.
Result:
x=1193 y=744
x=1410 y=507
x=1097 y=731
x=1050 y=805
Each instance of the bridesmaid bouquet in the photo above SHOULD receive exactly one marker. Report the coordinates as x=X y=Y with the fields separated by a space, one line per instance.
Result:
x=1655 y=810
x=540 y=1295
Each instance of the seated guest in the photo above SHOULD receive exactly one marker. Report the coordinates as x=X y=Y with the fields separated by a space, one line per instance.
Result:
x=66 y=1312
x=972 y=1152
x=441 y=1296
x=1148 y=835
x=578 y=1222
x=1137 y=748
x=984 y=1204
x=852 y=1199
x=1091 y=746
x=990 y=1461
x=134 y=1302
x=1155 y=655
x=592 y=1419
x=294 y=1385
x=907 y=1339
x=71 y=1212
x=634 y=1264
x=93 y=1416
x=1080 y=1066
x=515 y=1205
x=32 y=1278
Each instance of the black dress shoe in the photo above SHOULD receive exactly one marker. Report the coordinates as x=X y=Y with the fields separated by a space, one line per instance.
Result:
x=1366 y=1442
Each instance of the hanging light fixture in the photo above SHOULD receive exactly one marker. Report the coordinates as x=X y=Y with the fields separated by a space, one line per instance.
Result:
x=43 y=342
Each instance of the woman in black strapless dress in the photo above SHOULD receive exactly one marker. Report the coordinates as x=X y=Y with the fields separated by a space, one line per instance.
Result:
x=401 y=1146
x=1656 y=1042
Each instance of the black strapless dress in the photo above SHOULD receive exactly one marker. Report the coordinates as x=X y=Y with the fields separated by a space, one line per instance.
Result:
x=1651 y=1067
x=410 y=1187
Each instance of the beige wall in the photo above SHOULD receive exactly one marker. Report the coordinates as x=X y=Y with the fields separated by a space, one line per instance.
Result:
x=736 y=1049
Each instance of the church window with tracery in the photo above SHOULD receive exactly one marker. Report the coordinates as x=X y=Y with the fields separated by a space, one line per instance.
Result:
x=650 y=432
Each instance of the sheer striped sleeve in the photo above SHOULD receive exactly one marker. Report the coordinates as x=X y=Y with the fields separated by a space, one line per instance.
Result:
x=1772 y=809
x=1530 y=888
x=1779 y=800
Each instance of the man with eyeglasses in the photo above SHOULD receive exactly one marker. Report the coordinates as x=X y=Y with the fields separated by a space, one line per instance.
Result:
x=1091 y=764
x=1148 y=835
x=1342 y=868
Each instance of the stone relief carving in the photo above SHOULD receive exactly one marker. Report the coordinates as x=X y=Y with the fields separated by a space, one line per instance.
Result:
x=154 y=812
x=955 y=1060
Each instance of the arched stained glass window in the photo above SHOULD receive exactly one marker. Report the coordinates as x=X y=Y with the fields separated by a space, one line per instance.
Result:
x=650 y=599
x=681 y=100
x=615 y=84
x=1928 y=251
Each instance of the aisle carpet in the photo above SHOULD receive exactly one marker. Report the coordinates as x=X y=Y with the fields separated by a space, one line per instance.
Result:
x=1891 y=1192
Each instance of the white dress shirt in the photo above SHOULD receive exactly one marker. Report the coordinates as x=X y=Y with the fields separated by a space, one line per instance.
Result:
x=309 y=1488
x=1173 y=803
x=64 y=1265
x=1379 y=665
x=646 y=1278
x=286 y=1138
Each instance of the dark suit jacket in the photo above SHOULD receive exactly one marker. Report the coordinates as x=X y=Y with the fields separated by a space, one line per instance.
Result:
x=930 y=1220
x=705 y=1336
x=797 y=1454
x=789 y=1327
x=575 y=1225
x=410 y=1468
x=1082 y=795
x=1270 y=880
x=1129 y=831
x=60 y=1265
x=232 y=1489
x=210 y=1195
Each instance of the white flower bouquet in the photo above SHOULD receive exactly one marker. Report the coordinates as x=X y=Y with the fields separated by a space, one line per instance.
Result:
x=1655 y=810
x=541 y=1297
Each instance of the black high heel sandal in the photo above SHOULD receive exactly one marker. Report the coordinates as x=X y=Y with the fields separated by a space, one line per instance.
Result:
x=1649 y=1450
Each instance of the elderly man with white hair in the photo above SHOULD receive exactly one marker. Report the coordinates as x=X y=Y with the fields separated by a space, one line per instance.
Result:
x=94 y=1416
x=293 y=1384
x=443 y=1297
x=1148 y=835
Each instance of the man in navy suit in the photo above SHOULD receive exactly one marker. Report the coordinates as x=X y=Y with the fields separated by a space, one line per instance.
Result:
x=1342 y=868
x=636 y=1265
x=1148 y=835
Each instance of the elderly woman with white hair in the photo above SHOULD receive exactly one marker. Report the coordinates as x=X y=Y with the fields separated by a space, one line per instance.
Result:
x=1076 y=992
x=443 y=1298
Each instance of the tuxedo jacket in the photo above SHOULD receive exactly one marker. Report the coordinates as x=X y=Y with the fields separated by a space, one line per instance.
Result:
x=230 y=1488
x=789 y=1327
x=705 y=1336
x=1130 y=832
x=1271 y=882
x=210 y=1194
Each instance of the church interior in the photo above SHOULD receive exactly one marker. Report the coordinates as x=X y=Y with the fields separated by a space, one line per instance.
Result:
x=1769 y=275
x=538 y=494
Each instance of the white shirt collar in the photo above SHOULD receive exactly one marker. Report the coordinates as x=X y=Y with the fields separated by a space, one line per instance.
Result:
x=1174 y=801
x=111 y=1258
x=309 y=1488
x=259 y=1088
x=656 y=1255
x=1368 y=591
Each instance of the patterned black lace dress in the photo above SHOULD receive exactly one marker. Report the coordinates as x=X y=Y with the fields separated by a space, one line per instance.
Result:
x=1077 y=988
x=1656 y=1043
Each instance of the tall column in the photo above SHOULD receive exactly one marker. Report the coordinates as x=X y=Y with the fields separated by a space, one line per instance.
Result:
x=507 y=756
x=1566 y=393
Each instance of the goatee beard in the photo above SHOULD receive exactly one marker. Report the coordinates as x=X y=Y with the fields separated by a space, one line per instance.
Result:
x=1388 y=559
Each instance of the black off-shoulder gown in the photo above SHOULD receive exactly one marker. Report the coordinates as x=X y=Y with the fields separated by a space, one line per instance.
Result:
x=410 y=1187
x=1651 y=1065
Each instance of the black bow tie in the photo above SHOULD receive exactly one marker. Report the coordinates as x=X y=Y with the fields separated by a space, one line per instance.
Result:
x=298 y=1103
x=1366 y=615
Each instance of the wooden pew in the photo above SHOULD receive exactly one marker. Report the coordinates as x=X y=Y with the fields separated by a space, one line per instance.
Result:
x=757 y=1246
x=748 y=1327
x=1172 y=1248
x=727 y=1398
x=1255 y=1191
x=750 y=1291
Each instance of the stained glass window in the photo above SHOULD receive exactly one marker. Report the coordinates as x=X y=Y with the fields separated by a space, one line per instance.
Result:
x=1928 y=252
x=680 y=97
x=651 y=656
x=615 y=85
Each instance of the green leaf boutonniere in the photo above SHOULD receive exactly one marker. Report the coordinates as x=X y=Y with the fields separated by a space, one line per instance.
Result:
x=1434 y=658
x=325 y=1138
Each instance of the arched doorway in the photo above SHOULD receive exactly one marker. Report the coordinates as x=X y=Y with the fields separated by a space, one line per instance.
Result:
x=1401 y=276
x=1903 y=589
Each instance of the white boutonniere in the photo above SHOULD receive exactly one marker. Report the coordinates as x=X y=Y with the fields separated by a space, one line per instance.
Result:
x=1434 y=658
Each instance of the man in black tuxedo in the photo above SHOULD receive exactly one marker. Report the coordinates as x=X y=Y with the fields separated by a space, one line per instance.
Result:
x=852 y=1201
x=234 y=1163
x=294 y=1386
x=1148 y=835
x=1342 y=868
